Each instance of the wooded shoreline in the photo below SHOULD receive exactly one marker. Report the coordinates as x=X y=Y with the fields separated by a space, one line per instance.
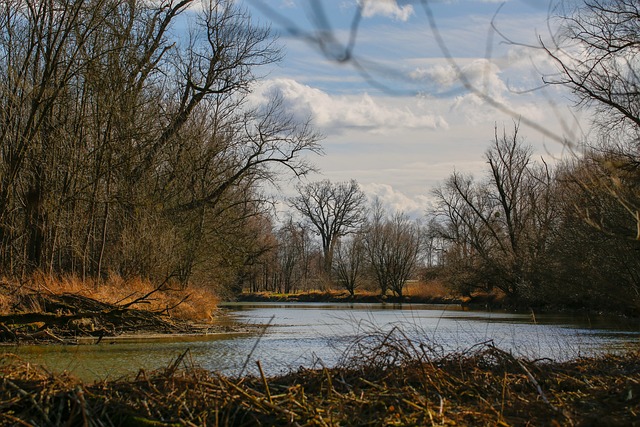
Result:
x=480 y=301
x=345 y=297
x=392 y=382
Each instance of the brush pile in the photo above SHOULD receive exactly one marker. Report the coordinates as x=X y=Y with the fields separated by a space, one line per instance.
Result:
x=41 y=315
x=390 y=384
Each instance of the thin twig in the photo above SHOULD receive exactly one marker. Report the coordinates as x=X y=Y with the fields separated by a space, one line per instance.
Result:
x=264 y=381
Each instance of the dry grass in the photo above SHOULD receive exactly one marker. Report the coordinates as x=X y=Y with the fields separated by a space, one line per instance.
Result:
x=433 y=289
x=193 y=303
x=418 y=292
x=393 y=382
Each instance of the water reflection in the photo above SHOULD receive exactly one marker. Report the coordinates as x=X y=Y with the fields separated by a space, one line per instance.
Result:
x=296 y=335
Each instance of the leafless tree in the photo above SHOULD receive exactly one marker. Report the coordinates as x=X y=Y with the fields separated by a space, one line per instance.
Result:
x=125 y=148
x=294 y=252
x=349 y=262
x=333 y=210
x=393 y=247
x=591 y=255
x=498 y=229
x=597 y=58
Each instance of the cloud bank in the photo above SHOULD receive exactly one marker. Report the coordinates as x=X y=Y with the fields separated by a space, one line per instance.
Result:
x=334 y=113
x=396 y=201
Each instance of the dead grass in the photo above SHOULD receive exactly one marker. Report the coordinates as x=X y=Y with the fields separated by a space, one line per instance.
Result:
x=193 y=303
x=392 y=383
x=418 y=292
x=433 y=289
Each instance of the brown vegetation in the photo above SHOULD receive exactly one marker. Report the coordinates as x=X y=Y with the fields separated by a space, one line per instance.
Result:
x=431 y=292
x=50 y=309
x=394 y=384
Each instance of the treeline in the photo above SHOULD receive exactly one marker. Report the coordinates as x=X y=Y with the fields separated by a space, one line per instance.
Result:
x=336 y=244
x=126 y=142
x=128 y=147
x=531 y=233
x=540 y=235
x=561 y=234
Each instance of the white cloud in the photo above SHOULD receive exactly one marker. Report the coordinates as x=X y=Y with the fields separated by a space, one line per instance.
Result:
x=388 y=8
x=396 y=201
x=490 y=83
x=481 y=74
x=334 y=113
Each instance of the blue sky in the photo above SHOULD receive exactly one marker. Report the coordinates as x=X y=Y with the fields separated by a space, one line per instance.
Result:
x=396 y=117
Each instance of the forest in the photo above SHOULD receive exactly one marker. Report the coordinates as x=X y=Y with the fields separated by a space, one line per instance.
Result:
x=129 y=149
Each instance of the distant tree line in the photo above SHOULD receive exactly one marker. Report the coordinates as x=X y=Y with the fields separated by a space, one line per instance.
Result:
x=334 y=244
x=566 y=234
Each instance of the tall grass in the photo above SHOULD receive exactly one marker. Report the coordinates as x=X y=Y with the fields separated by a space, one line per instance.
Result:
x=194 y=303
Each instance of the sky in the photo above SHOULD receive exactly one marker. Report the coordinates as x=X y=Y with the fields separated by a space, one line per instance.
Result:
x=403 y=101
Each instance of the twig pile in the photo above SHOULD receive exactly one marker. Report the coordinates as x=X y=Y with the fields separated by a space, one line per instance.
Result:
x=399 y=385
x=44 y=316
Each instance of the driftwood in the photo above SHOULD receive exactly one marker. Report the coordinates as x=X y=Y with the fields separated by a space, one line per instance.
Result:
x=53 y=317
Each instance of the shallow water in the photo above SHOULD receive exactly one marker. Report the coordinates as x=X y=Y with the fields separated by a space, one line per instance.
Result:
x=315 y=334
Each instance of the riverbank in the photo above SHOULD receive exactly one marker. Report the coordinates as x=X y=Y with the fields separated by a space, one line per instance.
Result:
x=393 y=385
x=478 y=301
x=70 y=311
x=345 y=297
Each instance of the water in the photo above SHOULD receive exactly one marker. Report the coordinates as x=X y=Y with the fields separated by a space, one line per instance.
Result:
x=291 y=335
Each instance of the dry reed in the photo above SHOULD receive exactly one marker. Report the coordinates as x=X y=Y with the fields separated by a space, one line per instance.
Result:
x=193 y=303
x=394 y=383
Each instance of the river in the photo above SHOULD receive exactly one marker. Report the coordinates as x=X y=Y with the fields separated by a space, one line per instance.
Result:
x=290 y=335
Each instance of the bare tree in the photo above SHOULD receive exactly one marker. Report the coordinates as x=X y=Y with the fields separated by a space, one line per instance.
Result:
x=499 y=229
x=293 y=255
x=349 y=262
x=124 y=148
x=597 y=58
x=333 y=210
x=392 y=246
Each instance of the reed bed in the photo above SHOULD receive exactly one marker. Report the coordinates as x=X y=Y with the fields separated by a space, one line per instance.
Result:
x=392 y=383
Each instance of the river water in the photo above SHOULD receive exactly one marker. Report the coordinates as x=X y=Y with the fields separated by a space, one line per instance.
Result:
x=290 y=335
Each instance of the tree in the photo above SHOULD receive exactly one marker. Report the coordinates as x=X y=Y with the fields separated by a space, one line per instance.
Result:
x=392 y=246
x=591 y=258
x=596 y=57
x=125 y=148
x=333 y=210
x=294 y=247
x=349 y=262
x=498 y=230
